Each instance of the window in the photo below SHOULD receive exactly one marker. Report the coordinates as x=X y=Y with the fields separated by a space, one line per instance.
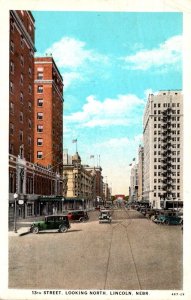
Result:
x=40 y=89
x=30 y=89
x=22 y=41
x=29 y=105
x=22 y=60
x=12 y=67
x=29 y=140
x=158 y=104
x=21 y=97
x=21 y=79
x=39 y=115
x=30 y=72
x=11 y=87
x=40 y=75
x=39 y=128
x=40 y=102
x=21 y=117
x=11 y=129
x=30 y=124
x=155 y=105
x=20 y=135
x=39 y=142
x=12 y=25
x=12 y=108
x=39 y=154
x=12 y=47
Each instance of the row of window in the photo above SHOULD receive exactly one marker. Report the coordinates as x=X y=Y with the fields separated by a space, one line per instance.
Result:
x=167 y=104
x=172 y=167
x=173 y=180
x=20 y=134
x=172 y=153
x=21 y=93
x=173 y=159
x=12 y=107
x=174 y=125
x=172 y=118
x=157 y=112
x=22 y=62
x=21 y=120
x=172 y=132
x=174 y=195
x=172 y=173
x=172 y=145
x=174 y=187
x=12 y=70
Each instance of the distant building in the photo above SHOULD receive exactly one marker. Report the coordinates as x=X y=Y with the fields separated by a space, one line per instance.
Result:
x=134 y=183
x=163 y=147
x=48 y=120
x=140 y=172
x=80 y=190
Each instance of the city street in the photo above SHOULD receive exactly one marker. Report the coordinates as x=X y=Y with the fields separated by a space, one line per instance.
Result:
x=130 y=253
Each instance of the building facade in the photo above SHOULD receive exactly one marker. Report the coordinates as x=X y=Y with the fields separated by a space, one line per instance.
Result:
x=134 y=183
x=48 y=114
x=140 y=172
x=80 y=184
x=163 y=147
x=34 y=188
x=21 y=79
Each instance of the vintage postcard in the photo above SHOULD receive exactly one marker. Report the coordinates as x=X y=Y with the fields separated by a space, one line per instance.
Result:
x=95 y=150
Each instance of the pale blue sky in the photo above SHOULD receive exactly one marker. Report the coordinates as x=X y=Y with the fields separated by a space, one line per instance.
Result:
x=109 y=62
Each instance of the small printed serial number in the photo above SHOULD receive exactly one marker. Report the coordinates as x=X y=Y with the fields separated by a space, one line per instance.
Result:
x=177 y=294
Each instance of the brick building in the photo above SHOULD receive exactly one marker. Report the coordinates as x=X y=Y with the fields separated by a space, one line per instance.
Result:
x=48 y=112
x=21 y=135
x=34 y=188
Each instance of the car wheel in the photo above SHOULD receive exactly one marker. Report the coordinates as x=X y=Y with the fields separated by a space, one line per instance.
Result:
x=63 y=229
x=35 y=229
x=82 y=219
x=167 y=222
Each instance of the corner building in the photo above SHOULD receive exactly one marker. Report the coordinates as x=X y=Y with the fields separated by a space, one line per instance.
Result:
x=48 y=114
x=163 y=147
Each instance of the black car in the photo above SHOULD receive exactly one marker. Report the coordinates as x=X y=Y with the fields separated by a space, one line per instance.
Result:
x=52 y=222
x=78 y=215
x=105 y=216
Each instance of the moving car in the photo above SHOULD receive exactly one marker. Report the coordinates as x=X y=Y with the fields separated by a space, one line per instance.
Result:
x=105 y=216
x=78 y=215
x=52 y=222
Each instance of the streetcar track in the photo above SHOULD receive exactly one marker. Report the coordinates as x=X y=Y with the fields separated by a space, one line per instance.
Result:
x=113 y=227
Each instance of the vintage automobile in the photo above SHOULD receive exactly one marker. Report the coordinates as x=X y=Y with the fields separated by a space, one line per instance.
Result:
x=78 y=215
x=52 y=222
x=168 y=218
x=105 y=216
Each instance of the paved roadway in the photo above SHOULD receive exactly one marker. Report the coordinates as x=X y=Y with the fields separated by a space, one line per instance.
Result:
x=131 y=253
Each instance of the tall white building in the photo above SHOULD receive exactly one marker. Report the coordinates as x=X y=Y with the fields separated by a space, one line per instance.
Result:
x=163 y=147
x=134 y=183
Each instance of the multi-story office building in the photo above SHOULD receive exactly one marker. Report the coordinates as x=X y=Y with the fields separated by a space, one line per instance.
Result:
x=134 y=183
x=48 y=109
x=163 y=147
x=80 y=183
x=21 y=78
x=140 y=172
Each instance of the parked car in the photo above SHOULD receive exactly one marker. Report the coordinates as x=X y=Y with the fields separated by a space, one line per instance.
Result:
x=168 y=218
x=105 y=216
x=52 y=222
x=78 y=215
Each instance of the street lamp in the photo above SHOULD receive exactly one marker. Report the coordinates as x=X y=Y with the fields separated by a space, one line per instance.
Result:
x=15 y=213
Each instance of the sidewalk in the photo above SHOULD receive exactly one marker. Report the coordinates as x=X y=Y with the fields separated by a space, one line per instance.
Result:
x=20 y=232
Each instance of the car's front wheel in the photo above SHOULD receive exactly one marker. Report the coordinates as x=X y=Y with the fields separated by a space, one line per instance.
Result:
x=63 y=229
x=167 y=222
x=35 y=229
